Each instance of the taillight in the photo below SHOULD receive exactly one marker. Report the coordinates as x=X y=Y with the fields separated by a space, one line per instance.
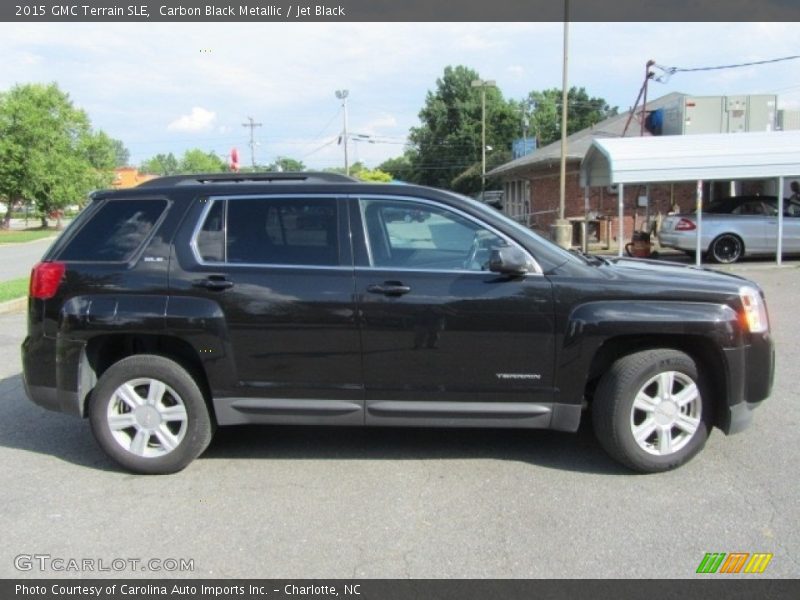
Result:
x=685 y=225
x=45 y=279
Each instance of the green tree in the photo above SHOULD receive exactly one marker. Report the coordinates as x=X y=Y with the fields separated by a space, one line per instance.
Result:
x=373 y=176
x=197 y=161
x=360 y=171
x=192 y=161
x=354 y=168
x=49 y=153
x=544 y=109
x=448 y=141
x=102 y=153
x=285 y=164
x=399 y=167
x=121 y=154
x=161 y=164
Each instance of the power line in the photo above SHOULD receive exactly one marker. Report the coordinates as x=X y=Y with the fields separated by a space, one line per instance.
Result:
x=328 y=143
x=328 y=124
x=670 y=71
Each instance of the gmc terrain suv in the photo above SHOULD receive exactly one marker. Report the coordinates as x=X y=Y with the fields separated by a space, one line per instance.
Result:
x=190 y=302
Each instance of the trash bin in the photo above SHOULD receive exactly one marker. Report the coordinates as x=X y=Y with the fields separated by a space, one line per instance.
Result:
x=640 y=246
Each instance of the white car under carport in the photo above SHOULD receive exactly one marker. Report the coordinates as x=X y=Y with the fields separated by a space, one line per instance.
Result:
x=735 y=227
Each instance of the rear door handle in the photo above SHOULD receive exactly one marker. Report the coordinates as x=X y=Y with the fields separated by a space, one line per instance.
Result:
x=214 y=282
x=389 y=288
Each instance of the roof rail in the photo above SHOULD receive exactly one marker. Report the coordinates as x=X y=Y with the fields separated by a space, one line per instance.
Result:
x=206 y=178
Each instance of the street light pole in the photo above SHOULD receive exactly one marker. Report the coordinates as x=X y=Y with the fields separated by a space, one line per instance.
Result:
x=342 y=95
x=483 y=84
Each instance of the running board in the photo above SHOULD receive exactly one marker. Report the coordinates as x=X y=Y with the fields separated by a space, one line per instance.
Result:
x=458 y=414
x=291 y=411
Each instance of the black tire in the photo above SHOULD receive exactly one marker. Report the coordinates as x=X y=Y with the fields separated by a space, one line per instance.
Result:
x=190 y=428
x=727 y=248
x=615 y=417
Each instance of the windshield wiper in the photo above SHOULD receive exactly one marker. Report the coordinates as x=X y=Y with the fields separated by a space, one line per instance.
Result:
x=592 y=259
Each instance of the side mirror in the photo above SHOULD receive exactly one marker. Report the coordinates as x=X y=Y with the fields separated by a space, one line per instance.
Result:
x=510 y=260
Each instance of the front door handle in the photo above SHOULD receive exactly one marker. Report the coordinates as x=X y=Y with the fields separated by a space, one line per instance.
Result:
x=214 y=282
x=389 y=288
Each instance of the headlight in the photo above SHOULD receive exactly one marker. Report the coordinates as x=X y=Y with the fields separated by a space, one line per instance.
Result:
x=755 y=311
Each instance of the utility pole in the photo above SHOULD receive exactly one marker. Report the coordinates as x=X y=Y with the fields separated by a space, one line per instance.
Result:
x=562 y=230
x=252 y=125
x=342 y=95
x=483 y=84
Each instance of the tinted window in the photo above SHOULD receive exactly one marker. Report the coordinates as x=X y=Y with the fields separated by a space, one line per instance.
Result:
x=282 y=231
x=211 y=237
x=115 y=232
x=418 y=236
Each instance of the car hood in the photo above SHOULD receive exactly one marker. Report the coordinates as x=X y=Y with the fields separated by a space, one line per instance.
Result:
x=669 y=274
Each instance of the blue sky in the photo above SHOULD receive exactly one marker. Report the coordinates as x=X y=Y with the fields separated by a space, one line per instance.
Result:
x=150 y=85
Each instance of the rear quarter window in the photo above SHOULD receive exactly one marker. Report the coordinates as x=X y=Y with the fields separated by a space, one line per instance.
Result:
x=115 y=232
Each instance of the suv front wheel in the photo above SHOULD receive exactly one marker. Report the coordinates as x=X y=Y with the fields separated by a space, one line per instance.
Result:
x=652 y=410
x=148 y=414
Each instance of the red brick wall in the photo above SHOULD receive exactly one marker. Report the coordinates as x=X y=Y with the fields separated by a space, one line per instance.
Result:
x=544 y=186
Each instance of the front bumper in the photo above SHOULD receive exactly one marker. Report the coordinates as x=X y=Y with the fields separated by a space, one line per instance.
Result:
x=751 y=374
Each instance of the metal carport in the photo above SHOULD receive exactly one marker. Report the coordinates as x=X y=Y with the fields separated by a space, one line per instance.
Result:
x=680 y=158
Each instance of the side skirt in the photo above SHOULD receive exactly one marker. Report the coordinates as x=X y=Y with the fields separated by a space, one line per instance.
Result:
x=290 y=411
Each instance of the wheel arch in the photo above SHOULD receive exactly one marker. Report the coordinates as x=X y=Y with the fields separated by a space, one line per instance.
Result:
x=709 y=359
x=103 y=351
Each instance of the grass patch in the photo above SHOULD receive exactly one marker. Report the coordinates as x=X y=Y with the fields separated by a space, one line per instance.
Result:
x=14 y=288
x=25 y=235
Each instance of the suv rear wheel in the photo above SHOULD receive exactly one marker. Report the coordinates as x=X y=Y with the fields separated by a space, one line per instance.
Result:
x=148 y=414
x=651 y=410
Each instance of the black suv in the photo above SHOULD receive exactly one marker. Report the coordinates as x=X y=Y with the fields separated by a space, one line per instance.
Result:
x=190 y=302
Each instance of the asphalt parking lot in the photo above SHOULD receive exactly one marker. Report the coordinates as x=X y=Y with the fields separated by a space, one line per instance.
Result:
x=307 y=502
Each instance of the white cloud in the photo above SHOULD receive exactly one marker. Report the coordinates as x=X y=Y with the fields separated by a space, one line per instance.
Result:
x=199 y=119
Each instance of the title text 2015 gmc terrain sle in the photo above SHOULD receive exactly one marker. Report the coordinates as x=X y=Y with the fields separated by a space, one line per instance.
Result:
x=186 y=303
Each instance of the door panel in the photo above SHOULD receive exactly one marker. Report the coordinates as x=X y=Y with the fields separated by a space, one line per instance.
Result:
x=791 y=232
x=435 y=324
x=281 y=271
x=456 y=337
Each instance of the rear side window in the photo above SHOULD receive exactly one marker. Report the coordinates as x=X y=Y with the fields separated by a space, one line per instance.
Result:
x=270 y=231
x=115 y=232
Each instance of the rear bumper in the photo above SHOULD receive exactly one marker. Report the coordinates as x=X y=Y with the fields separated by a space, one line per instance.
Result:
x=48 y=379
x=679 y=241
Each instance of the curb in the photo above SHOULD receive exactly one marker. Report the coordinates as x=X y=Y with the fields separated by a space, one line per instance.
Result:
x=12 y=306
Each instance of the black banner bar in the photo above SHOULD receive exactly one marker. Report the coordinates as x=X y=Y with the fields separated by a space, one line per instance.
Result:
x=713 y=588
x=399 y=10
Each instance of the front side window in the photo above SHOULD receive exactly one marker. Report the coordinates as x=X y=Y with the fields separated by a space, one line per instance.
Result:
x=415 y=235
x=270 y=231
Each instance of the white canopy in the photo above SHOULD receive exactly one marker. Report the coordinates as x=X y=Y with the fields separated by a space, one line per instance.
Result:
x=671 y=158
